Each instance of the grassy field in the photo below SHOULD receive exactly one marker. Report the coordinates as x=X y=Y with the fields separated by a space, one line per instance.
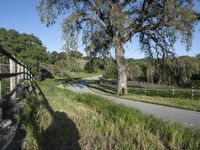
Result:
x=185 y=103
x=66 y=120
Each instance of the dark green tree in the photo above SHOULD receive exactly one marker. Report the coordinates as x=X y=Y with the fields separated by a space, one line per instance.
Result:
x=55 y=57
x=27 y=48
x=89 y=67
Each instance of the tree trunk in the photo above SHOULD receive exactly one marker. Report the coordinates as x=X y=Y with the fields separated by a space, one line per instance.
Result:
x=122 y=77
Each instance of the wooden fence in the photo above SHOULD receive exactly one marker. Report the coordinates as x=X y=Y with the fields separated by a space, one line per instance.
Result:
x=154 y=90
x=18 y=74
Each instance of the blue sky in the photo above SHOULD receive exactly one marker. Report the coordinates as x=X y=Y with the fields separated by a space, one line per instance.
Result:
x=21 y=15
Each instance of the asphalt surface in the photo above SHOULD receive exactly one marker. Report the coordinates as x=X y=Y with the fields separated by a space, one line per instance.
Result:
x=184 y=117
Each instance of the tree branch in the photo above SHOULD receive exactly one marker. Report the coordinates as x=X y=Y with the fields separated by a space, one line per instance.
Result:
x=164 y=49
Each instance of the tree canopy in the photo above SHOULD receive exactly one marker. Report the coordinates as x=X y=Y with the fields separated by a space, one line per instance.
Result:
x=159 y=22
x=22 y=45
x=26 y=47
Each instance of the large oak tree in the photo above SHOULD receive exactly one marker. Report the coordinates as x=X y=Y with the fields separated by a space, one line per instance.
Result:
x=113 y=23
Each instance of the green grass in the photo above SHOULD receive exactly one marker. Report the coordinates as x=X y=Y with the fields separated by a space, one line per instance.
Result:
x=70 y=120
x=184 y=103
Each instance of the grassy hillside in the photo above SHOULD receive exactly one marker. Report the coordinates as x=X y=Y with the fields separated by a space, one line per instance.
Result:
x=66 y=120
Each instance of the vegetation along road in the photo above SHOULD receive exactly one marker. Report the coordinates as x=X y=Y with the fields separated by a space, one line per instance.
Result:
x=185 y=117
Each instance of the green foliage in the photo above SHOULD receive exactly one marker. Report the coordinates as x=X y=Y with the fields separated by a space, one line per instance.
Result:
x=22 y=45
x=5 y=86
x=182 y=71
x=89 y=67
x=136 y=70
x=198 y=57
x=69 y=65
x=99 y=62
x=54 y=56
x=196 y=84
x=27 y=48
x=197 y=75
x=75 y=54
x=63 y=67
x=110 y=69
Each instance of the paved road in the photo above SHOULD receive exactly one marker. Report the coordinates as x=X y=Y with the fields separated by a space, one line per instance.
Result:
x=185 y=117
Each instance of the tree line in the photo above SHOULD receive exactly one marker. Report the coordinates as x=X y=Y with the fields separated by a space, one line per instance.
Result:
x=183 y=71
x=30 y=50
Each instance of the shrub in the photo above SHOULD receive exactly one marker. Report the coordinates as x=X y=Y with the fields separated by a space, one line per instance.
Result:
x=89 y=67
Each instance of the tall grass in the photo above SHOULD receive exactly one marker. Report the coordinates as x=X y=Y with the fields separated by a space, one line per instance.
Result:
x=145 y=131
x=98 y=124
x=35 y=119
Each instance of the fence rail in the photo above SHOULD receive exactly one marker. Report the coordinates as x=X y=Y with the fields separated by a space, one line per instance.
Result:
x=8 y=75
x=157 y=90
x=18 y=73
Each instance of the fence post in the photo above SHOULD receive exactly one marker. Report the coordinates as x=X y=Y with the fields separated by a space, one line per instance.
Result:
x=173 y=91
x=145 y=90
x=0 y=96
x=18 y=71
x=157 y=91
x=0 y=82
x=12 y=79
x=192 y=92
x=24 y=70
x=21 y=70
x=31 y=77
x=25 y=73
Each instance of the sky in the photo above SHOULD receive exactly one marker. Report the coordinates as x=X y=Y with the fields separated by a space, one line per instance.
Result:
x=21 y=15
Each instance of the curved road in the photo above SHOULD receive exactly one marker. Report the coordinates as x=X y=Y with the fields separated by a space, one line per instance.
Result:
x=185 y=117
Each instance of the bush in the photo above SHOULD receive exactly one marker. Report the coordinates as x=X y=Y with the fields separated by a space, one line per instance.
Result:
x=89 y=67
